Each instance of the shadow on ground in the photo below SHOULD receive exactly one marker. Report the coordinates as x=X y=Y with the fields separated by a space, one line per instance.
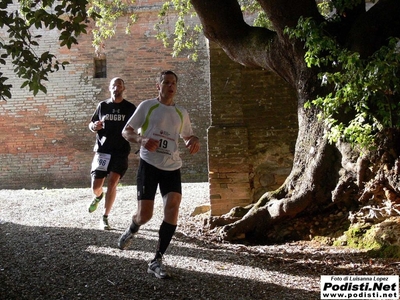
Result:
x=56 y=263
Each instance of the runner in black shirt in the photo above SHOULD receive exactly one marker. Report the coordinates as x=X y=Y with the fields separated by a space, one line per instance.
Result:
x=111 y=149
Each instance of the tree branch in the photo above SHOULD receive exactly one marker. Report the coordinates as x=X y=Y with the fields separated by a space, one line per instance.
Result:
x=286 y=13
x=223 y=23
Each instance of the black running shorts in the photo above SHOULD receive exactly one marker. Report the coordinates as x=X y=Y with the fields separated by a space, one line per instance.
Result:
x=150 y=177
x=118 y=164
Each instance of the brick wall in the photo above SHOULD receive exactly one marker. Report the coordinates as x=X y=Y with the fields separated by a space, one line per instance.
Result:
x=44 y=139
x=252 y=134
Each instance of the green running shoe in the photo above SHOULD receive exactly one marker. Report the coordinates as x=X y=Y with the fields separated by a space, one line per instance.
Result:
x=95 y=203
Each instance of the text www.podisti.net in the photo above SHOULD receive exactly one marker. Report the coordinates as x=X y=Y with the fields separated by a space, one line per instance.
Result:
x=360 y=287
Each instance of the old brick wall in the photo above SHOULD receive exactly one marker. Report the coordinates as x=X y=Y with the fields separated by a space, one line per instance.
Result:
x=45 y=142
x=252 y=134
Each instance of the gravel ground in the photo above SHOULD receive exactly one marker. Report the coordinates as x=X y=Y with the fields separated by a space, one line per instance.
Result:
x=52 y=248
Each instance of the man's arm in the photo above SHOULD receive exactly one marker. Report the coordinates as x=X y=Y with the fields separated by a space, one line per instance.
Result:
x=131 y=136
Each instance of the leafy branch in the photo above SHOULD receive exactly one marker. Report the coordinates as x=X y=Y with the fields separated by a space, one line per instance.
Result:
x=110 y=12
x=185 y=36
x=21 y=44
x=70 y=18
x=365 y=90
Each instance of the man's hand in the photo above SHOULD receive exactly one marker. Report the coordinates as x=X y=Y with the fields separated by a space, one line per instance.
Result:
x=131 y=136
x=97 y=125
x=193 y=144
x=150 y=144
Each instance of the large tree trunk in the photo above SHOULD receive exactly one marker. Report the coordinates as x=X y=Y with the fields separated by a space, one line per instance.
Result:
x=332 y=179
x=325 y=177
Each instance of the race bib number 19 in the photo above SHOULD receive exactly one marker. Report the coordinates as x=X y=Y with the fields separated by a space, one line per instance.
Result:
x=166 y=140
x=101 y=161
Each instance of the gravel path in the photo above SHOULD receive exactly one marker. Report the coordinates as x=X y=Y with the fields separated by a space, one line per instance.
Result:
x=52 y=248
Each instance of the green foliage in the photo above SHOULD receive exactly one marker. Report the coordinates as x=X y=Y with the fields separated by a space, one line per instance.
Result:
x=70 y=18
x=109 y=12
x=337 y=7
x=185 y=36
x=21 y=45
x=325 y=8
x=253 y=7
x=364 y=90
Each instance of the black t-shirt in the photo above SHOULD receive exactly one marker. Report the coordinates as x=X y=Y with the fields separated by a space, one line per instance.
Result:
x=116 y=115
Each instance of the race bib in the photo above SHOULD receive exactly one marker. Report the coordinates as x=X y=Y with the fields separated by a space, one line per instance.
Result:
x=101 y=161
x=167 y=141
